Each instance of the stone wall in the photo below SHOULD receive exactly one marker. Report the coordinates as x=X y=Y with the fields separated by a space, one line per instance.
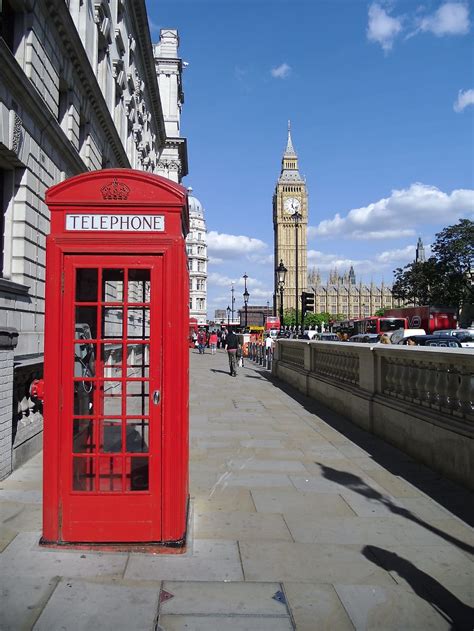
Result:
x=418 y=399
x=8 y=341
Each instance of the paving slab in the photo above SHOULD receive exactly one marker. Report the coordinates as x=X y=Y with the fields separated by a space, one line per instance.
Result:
x=208 y=560
x=372 y=607
x=307 y=505
x=21 y=603
x=224 y=623
x=240 y=526
x=316 y=607
x=25 y=557
x=309 y=563
x=224 y=500
x=81 y=606
x=223 y=598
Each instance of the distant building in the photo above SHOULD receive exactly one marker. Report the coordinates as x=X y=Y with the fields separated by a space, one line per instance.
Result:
x=256 y=315
x=342 y=295
x=220 y=315
x=196 y=247
x=420 y=252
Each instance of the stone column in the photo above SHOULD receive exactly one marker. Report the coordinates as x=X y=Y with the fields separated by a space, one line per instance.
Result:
x=8 y=341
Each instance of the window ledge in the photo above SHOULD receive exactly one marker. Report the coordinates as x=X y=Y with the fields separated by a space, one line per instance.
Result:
x=10 y=287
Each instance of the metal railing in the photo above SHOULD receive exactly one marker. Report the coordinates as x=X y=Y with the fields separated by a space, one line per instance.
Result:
x=261 y=355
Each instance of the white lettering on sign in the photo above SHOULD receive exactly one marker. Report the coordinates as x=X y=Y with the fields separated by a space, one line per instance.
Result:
x=116 y=223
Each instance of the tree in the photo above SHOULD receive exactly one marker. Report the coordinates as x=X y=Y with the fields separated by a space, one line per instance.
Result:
x=444 y=279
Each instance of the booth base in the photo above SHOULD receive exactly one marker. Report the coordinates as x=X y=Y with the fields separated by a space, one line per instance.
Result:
x=180 y=546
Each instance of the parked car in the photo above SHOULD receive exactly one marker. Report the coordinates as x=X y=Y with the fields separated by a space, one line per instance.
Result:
x=447 y=341
x=326 y=337
x=465 y=336
x=365 y=338
x=399 y=334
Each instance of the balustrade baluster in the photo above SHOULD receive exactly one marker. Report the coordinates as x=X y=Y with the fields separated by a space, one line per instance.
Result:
x=431 y=395
x=465 y=393
x=443 y=387
x=452 y=388
x=403 y=376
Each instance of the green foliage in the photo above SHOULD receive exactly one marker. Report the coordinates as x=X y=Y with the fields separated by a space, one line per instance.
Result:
x=443 y=279
x=380 y=312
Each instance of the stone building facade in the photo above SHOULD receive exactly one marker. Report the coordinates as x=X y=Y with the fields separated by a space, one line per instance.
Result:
x=342 y=295
x=196 y=246
x=78 y=91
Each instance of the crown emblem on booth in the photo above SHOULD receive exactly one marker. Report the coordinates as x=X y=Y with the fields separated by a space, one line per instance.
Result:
x=115 y=190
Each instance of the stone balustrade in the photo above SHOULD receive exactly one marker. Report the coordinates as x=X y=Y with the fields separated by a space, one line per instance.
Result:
x=419 y=399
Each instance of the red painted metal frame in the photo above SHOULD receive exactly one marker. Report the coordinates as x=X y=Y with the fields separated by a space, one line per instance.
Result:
x=147 y=194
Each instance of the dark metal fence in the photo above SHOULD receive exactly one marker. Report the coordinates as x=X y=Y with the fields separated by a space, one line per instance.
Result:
x=260 y=355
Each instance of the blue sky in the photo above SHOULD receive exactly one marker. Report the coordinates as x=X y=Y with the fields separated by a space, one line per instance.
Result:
x=381 y=101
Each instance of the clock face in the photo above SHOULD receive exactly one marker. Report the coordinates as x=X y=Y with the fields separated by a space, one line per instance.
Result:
x=292 y=205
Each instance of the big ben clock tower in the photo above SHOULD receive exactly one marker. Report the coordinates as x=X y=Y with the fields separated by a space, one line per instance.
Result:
x=290 y=224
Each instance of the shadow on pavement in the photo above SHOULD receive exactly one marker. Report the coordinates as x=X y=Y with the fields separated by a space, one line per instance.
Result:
x=224 y=372
x=424 y=586
x=355 y=483
x=455 y=498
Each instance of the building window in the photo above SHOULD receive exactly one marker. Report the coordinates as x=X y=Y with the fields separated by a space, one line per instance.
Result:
x=7 y=24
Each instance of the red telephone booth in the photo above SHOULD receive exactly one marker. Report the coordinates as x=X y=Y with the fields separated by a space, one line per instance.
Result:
x=116 y=360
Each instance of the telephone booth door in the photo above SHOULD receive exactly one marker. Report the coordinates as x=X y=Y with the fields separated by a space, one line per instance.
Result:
x=110 y=470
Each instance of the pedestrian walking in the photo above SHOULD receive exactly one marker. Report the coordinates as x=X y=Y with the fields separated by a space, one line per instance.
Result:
x=232 y=346
x=213 y=342
x=202 y=340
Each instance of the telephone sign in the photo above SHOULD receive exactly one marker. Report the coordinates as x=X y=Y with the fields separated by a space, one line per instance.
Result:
x=116 y=361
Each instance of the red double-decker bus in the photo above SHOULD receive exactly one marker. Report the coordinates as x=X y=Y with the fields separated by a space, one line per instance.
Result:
x=379 y=324
x=370 y=324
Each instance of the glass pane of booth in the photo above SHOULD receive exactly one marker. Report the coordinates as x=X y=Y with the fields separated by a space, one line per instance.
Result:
x=112 y=360
x=112 y=398
x=84 y=397
x=85 y=323
x=111 y=435
x=138 y=360
x=83 y=473
x=82 y=435
x=112 y=285
x=86 y=285
x=137 y=398
x=136 y=477
x=138 y=285
x=112 y=320
x=138 y=323
x=137 y=435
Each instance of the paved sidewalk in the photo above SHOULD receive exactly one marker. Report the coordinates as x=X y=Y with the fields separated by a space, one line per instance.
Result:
x=299 y=521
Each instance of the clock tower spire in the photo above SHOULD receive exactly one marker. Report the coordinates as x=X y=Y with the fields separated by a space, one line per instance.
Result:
x=290 y=222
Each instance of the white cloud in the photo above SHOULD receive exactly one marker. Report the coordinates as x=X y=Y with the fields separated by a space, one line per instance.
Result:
x=225 y=246
x=281 y=72
x=382 y=27
x=221 y=280
x=398 y=215
x=398 y=255
x=465 y=98
x=452 y=18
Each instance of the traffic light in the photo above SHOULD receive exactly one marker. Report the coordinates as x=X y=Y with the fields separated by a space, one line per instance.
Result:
x=307 y=303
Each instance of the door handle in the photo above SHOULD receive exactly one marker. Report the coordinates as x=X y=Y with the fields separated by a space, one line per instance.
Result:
x=156 y=397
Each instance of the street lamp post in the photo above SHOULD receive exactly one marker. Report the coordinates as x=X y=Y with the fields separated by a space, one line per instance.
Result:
x=296 y=216
x=228 y=316
x=233 y=300
x=246 y=298
x=281 y=272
